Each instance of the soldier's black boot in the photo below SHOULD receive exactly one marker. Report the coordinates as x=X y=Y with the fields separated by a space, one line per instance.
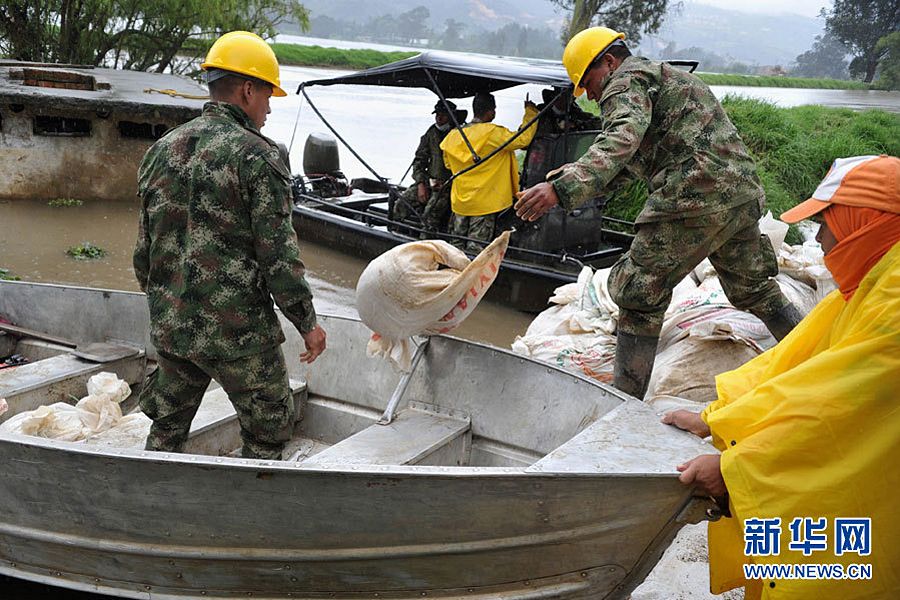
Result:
x=634 y=363
x=782 y=322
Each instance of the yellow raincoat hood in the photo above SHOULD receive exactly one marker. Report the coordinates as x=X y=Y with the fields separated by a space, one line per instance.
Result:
x=489 y=187
x=812 y=429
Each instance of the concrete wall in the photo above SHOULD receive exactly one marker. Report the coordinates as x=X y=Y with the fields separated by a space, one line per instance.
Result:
x=102 y=166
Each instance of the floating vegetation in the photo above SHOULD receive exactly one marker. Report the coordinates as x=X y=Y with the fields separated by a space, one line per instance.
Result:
x=65 y=202
x=86 y=251
x=5 y=275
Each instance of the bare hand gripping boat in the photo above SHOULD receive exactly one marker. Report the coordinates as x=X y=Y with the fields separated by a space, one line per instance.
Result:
x=497 y=477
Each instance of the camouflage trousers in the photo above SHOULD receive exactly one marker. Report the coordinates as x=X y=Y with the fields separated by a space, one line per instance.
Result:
x=257 y=386
x=434 y=212
x=477 y=228
x=663 y=253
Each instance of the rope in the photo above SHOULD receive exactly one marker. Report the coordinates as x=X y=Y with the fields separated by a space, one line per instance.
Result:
x=174 y=93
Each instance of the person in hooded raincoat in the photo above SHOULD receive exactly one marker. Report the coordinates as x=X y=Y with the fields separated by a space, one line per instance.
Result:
x=810 y=430
x=479 y=195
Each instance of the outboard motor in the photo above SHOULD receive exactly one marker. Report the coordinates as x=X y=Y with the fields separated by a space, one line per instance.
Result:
x=322 y=166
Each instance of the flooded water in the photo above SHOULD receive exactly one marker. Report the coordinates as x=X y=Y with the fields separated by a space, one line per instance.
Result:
x=34 y=238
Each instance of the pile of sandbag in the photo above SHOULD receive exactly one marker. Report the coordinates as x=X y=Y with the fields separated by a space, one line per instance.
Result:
x=96 y=413
x=702 y=335
x=422 y=288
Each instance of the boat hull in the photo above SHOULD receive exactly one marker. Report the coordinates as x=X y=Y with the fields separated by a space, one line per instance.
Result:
x=534 y=513
x=143 y=524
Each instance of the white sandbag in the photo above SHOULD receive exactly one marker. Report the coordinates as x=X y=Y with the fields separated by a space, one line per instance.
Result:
x=775 y=229
x=588 y=354
x=109 y=384
x=59 y=421
x=688 y=369
x=97 y=412
x=422 y=288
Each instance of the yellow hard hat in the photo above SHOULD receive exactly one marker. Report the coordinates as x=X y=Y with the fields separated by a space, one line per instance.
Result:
x=248 y=54
x=584 y=47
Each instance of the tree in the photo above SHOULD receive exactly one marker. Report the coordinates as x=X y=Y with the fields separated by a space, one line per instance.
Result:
x=889 y=77
x=133 y=34
x=859 y=24
x=452 y=36
x=827 y=58
x=632 y=17
x=412 y=25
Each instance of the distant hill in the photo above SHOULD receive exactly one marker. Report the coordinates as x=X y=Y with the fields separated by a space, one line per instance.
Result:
x=746 y=37
x=750 y=38
x=486 y=14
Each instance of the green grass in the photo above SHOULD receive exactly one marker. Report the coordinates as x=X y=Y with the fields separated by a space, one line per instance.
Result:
x=793 y=149
x=86 y=251
x=317 y=56
x=781 y=82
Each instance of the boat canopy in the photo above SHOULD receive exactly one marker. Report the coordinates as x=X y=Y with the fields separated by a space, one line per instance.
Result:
x=457 y=75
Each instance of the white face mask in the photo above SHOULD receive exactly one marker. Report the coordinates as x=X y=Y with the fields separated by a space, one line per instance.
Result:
x=445 y=127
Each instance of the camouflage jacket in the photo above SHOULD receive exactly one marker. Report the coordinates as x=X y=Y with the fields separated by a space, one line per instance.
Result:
x=429 y=160
x=664 y=126
x=215 y=241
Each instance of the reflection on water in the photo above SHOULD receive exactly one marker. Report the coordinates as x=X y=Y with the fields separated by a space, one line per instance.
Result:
x=34 y=238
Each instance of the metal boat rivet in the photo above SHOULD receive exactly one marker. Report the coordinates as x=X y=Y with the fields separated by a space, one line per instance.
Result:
x=612 y=569
x=527 y=583
x=585 y=574
x=58 y=574
x=96 y=580
x=287 y=567
x=546 y=519
x=147 y=587
x=294 y=579
x=178 y=575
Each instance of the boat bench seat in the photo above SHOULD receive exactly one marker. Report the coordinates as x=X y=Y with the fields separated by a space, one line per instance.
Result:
x=60 y=378
x=627 y=439
x=215 y=430
x=416 y=436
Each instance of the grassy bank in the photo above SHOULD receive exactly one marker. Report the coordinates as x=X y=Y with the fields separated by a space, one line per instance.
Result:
x=317 y=56
x=781 y=82
x=793 y=148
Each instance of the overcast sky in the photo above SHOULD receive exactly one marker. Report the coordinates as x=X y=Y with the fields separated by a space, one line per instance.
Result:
x=807 y=8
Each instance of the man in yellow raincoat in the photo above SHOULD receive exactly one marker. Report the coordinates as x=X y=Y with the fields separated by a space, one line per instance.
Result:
x=479 y=195
x=810 y=431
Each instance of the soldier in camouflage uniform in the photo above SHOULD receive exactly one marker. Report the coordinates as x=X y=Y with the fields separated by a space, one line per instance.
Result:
x=664 y=126
x=215 y=243
x=428 y=194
